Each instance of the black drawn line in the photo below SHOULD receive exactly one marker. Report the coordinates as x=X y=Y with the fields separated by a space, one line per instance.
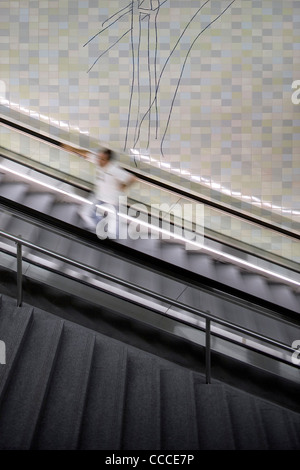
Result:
x=150 y=81
x=143 y=10
x=155 y=69
x=103 y=53
x=132 y=79
x=154 y=82
x=165 y=64
x=182 y=70
x=115 y=14
x=154 y=9
x=138 y=73
x=107 y=27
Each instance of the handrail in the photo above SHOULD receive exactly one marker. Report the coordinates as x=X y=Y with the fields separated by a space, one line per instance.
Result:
x=87 y=239
x=246 y=249
x=218 y=206
x=167 y=186
x=206 y=315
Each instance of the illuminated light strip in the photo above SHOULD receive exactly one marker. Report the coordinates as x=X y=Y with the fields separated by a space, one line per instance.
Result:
x=211 y=250
x=218 y=186
x=160 y=230
x=34 y=180
x=136 y=152
x=252 y=266
x=43 y=117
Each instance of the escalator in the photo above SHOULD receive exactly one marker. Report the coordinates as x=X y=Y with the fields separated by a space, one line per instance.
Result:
x=234 y=285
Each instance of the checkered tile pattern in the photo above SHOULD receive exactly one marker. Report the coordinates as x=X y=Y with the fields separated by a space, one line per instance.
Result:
x=205 y=88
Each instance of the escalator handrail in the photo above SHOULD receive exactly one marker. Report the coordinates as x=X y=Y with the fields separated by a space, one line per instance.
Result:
x=167 y=186
x=143 y=291
x=209 y=234
x=145 y=260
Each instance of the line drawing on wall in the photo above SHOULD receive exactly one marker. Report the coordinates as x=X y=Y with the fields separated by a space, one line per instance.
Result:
x=146 y=78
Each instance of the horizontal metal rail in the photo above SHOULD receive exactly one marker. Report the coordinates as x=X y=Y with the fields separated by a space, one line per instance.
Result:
x=238 y=246
x=209 y=318
x=76 y=238
x=252 y=251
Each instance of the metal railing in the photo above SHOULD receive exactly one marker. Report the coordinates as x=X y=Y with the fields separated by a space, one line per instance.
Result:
x=237 y=245
x=207 y=316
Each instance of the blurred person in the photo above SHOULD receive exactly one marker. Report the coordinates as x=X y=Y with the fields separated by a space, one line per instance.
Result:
x=110 y=182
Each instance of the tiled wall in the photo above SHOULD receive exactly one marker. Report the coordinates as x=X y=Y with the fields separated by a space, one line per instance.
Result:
x=204 y=87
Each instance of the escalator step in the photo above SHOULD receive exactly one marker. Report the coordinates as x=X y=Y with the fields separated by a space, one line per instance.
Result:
x=283 y=295
x=14 y=191
x=178 y=416
x=14 y=326
x=41 y=202
x=60 y=421
x=256 y=284
x=227 y=273
x=213 y=417
x=65 y=211
x=141 y=424
x=102 y=420
x=23 y=401
x=283 y=428
x=247 y=425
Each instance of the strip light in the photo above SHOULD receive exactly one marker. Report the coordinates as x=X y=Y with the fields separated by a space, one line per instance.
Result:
x=215 y=185
x=135 y=152
x=225 y=256
x=49 y=186
x=211 y=250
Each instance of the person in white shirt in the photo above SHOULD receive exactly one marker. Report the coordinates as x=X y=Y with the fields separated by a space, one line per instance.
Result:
x=110 y=182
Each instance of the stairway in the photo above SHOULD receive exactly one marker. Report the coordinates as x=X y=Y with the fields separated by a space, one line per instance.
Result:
x=65 y=386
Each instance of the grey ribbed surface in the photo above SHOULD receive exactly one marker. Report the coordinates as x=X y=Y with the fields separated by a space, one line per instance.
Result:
x=283 y=428
x=14 y=325
x=102 y=421
x=141 y=418
x=73 y=388
x=245 y=417
x=178 y=411
x=258 y=425
x=212 y=407
x=26 y=390
x=60 y=421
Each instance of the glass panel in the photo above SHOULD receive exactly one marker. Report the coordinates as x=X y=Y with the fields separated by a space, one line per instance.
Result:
x=58 y=162
x=230 y=230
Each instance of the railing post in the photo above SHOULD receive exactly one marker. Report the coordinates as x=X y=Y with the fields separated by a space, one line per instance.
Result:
x=19 y=274
x=207 y=352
